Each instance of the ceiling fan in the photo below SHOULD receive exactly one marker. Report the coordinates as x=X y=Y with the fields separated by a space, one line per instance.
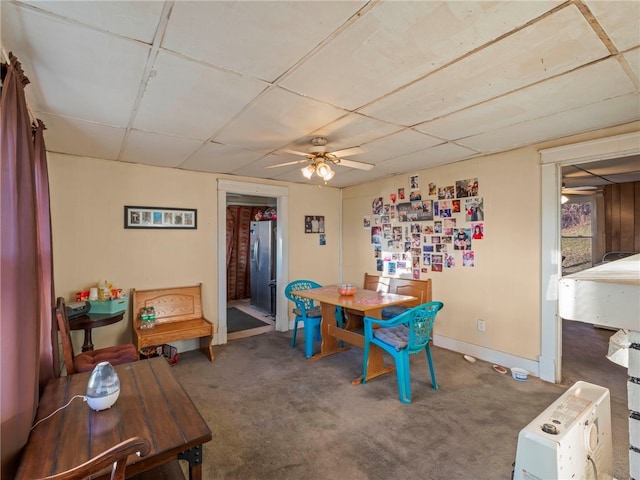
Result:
x=579 y=190
x=319 y=159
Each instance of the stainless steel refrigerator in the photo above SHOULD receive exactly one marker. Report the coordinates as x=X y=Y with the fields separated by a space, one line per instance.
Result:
x=263 y=266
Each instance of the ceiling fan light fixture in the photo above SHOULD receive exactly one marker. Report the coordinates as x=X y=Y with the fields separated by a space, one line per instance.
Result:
x=329 y=175
x=308 y=171
x=323 y=169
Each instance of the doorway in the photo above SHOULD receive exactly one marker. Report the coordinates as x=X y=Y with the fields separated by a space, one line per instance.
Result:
x=552 y=160
x=270 y=194
x=250 y=298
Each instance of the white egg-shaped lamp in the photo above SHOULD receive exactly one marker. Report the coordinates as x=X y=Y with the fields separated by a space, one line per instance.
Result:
x=103 y=388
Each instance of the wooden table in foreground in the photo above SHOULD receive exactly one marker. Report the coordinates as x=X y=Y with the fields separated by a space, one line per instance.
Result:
x=368 y=302
x=152 y=404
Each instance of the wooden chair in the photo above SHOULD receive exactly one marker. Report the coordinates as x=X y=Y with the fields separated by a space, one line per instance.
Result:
x=86 y=361
x=116 y=458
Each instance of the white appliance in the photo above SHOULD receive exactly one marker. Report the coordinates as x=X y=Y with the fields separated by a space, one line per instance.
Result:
x=571 y=439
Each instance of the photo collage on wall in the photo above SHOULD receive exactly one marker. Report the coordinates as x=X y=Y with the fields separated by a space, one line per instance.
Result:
x=435 y=229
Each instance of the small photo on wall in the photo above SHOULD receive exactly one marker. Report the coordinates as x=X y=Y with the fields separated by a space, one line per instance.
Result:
x=376 y=206
x=474 y=208
x=413 y=181
x=478 y=231
x=468 y=259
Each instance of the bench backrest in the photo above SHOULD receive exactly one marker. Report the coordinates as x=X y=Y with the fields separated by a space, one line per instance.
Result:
x=170 y=304
x=376 y=283
x=421 y=289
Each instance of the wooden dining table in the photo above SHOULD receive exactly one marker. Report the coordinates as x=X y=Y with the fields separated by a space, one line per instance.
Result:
x=152 y=404
x=367 y=302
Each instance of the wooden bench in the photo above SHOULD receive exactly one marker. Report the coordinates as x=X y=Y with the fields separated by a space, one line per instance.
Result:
x=178 y=317
x=421 y=289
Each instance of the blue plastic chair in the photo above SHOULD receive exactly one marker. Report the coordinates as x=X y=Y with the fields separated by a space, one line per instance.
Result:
x=305 y=311
x=404 y=335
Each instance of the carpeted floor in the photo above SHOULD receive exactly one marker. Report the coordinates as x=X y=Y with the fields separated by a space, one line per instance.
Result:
x=237 y=320
x=275 y=415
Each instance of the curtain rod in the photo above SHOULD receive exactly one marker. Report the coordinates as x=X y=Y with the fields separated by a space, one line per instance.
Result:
x=5 y=59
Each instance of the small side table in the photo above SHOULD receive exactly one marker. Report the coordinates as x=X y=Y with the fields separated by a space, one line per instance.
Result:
x=93 y=320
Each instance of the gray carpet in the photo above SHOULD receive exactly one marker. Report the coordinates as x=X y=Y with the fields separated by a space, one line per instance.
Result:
x=237 y=320
x=274 y=415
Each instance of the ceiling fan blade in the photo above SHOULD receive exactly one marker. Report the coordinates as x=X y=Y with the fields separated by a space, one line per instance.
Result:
x=349 y=151
x=295 y=162
x=295 y=152
x=352 y=164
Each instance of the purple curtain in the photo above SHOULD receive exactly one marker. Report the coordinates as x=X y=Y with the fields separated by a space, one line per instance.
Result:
x=22 y=313
x=49 y=334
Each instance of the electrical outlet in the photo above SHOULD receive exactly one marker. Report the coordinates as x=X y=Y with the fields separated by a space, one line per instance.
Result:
x=480 y=325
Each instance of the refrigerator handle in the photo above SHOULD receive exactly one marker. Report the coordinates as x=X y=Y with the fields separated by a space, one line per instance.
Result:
x=256 y=253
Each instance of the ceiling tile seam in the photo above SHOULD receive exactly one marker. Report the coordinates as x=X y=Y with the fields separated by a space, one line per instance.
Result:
x=216 y=133
x=606 y=40
x=348 y=23
x=39 y=11
x=467 y=54
x=596 y=27
x=161 y=29
x=510 y=92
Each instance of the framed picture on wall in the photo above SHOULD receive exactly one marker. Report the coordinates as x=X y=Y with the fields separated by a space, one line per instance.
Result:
x=160 y=217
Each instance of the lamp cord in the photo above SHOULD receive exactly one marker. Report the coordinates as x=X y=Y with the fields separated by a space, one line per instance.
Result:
x=61 y=408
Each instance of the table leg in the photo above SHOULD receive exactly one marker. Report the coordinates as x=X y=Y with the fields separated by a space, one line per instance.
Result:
x=329 y=344
x=88 y=343
x=375 y=365
x=194 y=457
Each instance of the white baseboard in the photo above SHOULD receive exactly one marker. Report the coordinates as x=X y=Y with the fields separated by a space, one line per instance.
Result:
x=488 y=355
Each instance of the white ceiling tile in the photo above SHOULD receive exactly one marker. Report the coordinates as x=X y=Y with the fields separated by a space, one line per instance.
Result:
x=276 y=119
x=159 y=150
x=633 y=58
x=352 y=130
x=395 y=42
x=138 y=20
x=263 y=39
x=89 y=75
x=591 y=117
x=398 y=144
x=438 y=155
x=214 y=157
x=619 y=19
x=552 y=46
x=188 y=99
x=584 y=86
x=76 y=137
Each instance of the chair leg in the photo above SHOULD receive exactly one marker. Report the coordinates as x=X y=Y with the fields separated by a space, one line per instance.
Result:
x=365 y=361
x=433 y=373
x=402 y=374
x=310 y=332
x=295 y=332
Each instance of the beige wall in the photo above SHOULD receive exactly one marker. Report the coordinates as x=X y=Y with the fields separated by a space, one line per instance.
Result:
x=91 y=244
x=307 y=259
x=503 y=287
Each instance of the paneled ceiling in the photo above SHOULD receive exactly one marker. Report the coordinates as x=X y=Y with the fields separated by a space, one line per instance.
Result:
x=225 y=87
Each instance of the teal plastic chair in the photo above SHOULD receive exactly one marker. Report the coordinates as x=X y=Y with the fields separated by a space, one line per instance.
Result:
x=404 y=335
x=305 y=311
